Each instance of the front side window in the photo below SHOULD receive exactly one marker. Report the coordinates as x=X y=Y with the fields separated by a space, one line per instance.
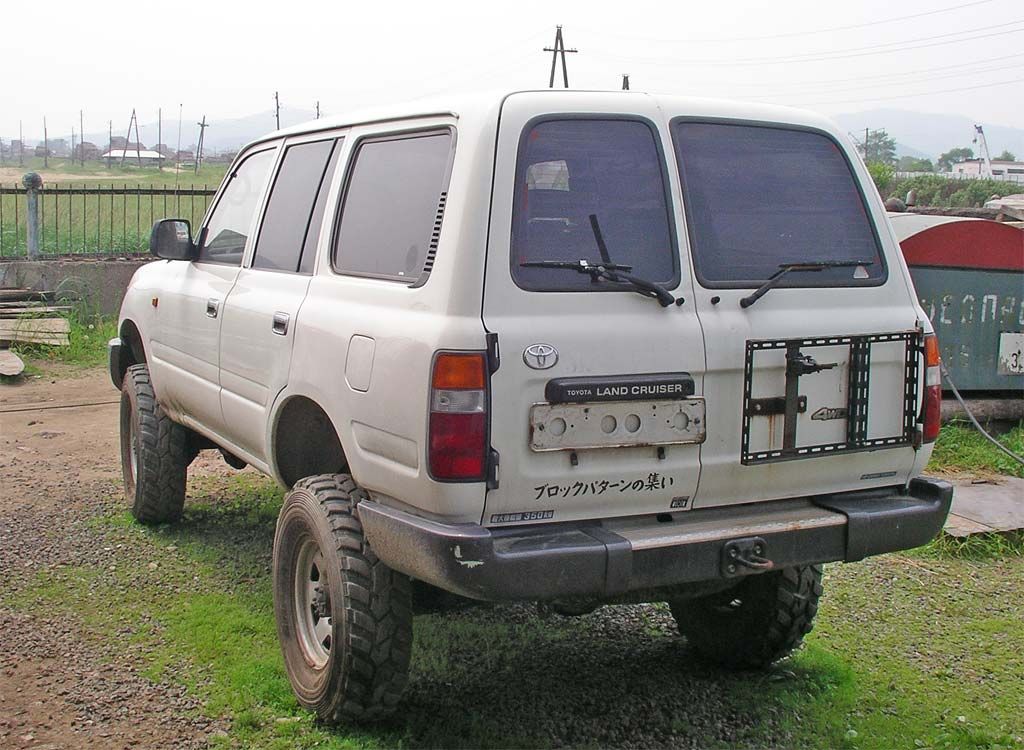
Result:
x=760 y=197
x=571 y=169
x=392 y=204
x=288 y=219
x=228 y=227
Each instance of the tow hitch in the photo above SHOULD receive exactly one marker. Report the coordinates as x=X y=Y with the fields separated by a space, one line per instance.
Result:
x=742 y=557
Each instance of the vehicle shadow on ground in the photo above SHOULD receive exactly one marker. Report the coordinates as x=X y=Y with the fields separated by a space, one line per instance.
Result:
x=513 y=675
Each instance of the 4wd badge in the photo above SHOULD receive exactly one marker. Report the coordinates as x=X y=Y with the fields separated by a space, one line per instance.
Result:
x=540 y=356
x=829 y=412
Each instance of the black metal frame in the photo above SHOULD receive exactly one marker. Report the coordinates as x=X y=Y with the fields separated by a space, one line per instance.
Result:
x=857 y=397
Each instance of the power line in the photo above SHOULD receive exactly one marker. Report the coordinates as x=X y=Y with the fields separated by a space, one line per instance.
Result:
x=790 y=34
x=833 y=54
x=929 y=79
x=904 y=73
x=921 y=93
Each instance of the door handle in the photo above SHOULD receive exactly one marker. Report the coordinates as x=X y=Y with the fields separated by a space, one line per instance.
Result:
x=280 y=324
x=212 y=307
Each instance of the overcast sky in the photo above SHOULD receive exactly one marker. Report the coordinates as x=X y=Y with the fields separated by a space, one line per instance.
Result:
x=225 y=58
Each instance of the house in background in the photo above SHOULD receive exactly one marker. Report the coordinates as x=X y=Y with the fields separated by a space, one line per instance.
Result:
x=134 y=156
x=1001 y=170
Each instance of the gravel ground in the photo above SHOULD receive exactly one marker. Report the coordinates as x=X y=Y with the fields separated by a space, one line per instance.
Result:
x=60 y=686
x=620 y=676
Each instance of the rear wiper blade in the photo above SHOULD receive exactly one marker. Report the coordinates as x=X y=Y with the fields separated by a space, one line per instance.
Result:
x=784 y=268
x=610 y=272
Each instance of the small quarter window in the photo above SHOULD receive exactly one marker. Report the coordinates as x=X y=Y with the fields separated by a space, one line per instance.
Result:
x=392 y=207
x=229 y=224
x=288 y=219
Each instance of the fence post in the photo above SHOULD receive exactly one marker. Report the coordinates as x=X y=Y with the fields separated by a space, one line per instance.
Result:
x=32 y=182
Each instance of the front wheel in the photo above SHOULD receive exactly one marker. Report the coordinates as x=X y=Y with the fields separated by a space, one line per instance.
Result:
x=759 y=621
x=344 y=619
x=154 y=452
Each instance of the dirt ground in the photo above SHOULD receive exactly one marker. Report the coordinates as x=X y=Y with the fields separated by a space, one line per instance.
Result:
x=58 y=687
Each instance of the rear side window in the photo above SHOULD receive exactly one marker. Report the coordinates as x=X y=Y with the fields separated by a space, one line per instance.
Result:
x=392 y=208
x=284 y=239
x=757 y=197
x=570 y=169
x=228 y=227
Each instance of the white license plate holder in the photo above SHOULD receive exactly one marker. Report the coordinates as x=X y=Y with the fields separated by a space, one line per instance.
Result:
x=616 y=424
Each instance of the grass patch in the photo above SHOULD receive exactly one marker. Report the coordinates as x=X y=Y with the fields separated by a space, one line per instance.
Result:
x=961 y=448
x=976 y=546
x=909 y=651
x=87 y=346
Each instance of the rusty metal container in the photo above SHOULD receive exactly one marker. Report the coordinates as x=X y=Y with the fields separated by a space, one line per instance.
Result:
x=969 y=276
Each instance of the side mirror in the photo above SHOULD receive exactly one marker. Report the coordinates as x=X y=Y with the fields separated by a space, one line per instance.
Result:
x=171 y=239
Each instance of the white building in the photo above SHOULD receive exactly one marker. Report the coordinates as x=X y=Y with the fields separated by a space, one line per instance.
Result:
x=131 y=156
x=1001 y=170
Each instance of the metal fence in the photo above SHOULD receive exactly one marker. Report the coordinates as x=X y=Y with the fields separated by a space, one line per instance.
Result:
x=1017 y=179
x=90 y=219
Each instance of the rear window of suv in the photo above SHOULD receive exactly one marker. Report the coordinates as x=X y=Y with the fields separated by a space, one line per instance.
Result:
x=757 y=197
x=569 y=169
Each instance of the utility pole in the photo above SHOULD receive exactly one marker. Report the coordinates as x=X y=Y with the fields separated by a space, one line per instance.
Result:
x=21 y=145
x=199 y=148
x=128 y=140
x=318 y=109
x=160 y=137
x=110 y=141
x=81 y=133
x=46 y=147
x=558 y=49
x=277 y=110
x=177 y=162
x=625 y=81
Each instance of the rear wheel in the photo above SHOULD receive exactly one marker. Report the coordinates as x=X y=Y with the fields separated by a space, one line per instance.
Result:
x=344 y=618
x=759 y=621
x=155 y=452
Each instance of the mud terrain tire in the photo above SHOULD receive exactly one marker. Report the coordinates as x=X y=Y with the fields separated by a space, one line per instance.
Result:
x=344 y=619
x=761 y=620
x=154 y=452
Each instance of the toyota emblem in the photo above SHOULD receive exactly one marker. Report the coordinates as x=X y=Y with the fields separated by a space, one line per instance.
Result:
x=540 y=356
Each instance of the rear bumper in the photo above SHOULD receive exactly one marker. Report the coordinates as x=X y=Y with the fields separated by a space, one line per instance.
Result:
x=606 y=560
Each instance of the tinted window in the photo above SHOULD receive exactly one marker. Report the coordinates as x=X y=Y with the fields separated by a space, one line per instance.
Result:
x=313 y=235
x=757 y=197
x=287 y=220
x=391 y=205
x=570 y=169
x=228 y=227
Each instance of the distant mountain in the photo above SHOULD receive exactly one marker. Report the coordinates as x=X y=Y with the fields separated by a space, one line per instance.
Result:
x=926 y=135
x=917 y=134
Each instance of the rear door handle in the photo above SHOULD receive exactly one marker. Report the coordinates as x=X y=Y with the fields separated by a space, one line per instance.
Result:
x=280 y=325
x=212 y=307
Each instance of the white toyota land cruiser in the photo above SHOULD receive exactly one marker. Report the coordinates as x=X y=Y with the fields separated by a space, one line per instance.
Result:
x=589 y=348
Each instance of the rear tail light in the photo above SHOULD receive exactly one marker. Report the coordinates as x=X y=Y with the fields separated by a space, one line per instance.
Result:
x=457 y=441
x=931 y=408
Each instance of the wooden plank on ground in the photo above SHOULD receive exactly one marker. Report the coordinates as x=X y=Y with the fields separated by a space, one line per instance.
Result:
x=23 y=295
x=10 y=363
x=35 y=310
x=36 y=331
